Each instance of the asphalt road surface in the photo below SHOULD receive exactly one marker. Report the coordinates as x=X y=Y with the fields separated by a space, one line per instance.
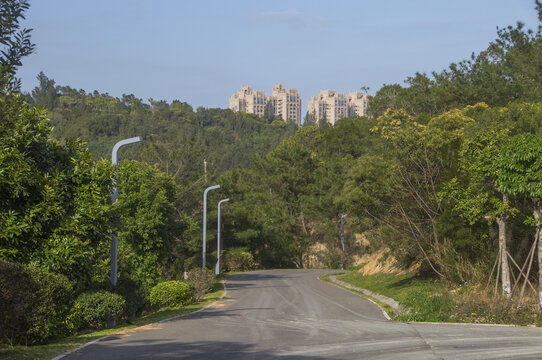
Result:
x=291 y=314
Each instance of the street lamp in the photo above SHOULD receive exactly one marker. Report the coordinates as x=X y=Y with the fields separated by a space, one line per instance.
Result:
x=205 y=218
x=114 y=197
x=342 y=240
x=217 y=268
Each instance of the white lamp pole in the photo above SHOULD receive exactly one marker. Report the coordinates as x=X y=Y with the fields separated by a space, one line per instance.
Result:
x=205 y=218
x=217 y=268
x=114 y=197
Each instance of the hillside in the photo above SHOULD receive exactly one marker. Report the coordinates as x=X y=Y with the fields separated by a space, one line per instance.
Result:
x=179 y=138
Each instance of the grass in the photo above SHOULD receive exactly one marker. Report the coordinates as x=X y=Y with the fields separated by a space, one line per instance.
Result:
x=58 y=347
x=391 y=285
x=430 y=300
x=426 y=299
x=355 y=267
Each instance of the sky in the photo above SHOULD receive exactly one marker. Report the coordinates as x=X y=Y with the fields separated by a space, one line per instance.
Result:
x=202 y=51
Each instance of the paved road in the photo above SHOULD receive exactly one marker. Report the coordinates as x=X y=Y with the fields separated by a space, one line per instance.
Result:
x=290 y=314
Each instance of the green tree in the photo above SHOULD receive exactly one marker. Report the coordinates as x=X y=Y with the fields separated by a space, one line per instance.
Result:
x=519 y=172
x=511 y=64
x=424 y=154
x=46 y=93
x=474 y=193
x=53 y=196
x=148 y=223
x=323 y=123
x=14 y=42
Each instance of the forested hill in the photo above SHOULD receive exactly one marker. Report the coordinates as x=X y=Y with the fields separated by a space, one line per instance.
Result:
x=179 y=138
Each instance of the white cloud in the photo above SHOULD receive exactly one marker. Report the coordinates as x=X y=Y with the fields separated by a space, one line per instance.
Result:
x=289 y=18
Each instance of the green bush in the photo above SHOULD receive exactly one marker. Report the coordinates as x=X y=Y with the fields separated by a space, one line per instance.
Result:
x=238 y=259
x=201 y=279
x=135 y=293
x=95 y=309
x=332 y=259
x=171 y=294
x=34 y=304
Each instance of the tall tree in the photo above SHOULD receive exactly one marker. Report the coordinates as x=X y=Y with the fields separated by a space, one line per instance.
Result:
x=46 y=93
x=14 y=42
x=520 y=173
x=474 y=194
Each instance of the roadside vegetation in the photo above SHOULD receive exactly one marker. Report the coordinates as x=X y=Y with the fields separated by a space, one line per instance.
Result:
x=428 y=299
x=50 y=350
x=444 y=172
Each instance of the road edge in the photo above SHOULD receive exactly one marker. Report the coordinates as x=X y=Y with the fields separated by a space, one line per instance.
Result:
x=358 y=291
x=224 y=293
x=332 y=279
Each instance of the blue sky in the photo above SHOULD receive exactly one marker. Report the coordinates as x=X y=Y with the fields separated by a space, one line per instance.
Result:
x=202 y=51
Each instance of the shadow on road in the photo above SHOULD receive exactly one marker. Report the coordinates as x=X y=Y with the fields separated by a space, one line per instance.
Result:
x=256 y=275
x=220 y=312
x=173 y=349
x=252 y=280
x=235 y=286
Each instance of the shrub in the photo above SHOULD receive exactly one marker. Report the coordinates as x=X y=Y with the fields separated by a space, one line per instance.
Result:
x=238 y=259
x=34 y=304
x=171 y=294
x=332 y=259
x=135 y=294
x=201 y=279
x=95 y=309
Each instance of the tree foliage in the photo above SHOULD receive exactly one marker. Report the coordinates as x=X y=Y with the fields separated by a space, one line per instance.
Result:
x=14 y=42
x=53 y=195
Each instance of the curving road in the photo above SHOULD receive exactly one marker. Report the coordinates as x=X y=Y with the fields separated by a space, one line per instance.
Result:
x=291 y=314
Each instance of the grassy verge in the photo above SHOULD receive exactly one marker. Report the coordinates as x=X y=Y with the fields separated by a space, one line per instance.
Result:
x=431 y=300
x=427 y=299
x=51 y=350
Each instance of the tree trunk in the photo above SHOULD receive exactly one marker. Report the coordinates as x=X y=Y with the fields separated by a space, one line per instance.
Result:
x=536 y=213
x=505 y=269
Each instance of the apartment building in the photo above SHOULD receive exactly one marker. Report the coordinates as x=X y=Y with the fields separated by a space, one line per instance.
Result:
x=332 y=106
x=357 y=104
x=284 y=103
x=249 y=101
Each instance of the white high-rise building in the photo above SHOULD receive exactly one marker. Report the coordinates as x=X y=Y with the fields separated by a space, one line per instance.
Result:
x=357 y=104
x=285 y=103
x=249 y=101
x=332 y=106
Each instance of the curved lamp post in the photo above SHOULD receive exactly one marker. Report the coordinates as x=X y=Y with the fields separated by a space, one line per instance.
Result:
x=205 y=218
x=342 y=240
x=114 y=197
x=217 y=268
